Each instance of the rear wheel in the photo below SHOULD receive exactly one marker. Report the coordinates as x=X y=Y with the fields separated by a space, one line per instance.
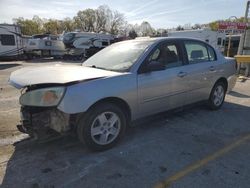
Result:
x=217 y=96
x=102 y=126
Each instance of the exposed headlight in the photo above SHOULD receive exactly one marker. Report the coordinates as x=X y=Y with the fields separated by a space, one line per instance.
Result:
x=43 y=97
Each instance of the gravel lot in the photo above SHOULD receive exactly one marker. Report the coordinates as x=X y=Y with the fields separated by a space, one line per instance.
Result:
x=190 y=148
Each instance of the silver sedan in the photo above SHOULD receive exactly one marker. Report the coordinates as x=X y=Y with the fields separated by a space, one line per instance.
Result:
x=121 y=83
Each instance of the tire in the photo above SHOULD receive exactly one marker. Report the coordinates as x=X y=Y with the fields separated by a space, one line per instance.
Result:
x=102 y=126
x=217 y=96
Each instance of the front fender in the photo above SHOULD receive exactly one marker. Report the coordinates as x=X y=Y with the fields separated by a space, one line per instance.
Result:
x=81 y=96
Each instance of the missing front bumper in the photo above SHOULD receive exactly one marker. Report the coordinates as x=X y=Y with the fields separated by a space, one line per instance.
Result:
x=40 y=122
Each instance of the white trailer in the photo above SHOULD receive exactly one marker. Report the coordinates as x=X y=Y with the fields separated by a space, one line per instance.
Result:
x=87 y=39
x=72 y=45
x=45 y=46
x=86 y=43
x=214 y=38
x=11 y=42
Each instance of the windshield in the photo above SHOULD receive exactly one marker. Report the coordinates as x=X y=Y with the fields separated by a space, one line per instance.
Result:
x=118 y=57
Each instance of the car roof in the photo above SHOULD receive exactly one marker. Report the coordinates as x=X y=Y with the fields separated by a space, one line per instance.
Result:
x=165 y=39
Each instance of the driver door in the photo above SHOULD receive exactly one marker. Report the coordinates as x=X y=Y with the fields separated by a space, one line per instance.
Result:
x=163 y=89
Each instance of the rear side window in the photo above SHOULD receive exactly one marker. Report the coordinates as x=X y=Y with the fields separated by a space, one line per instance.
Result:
x=198 y=52
x=7 y=40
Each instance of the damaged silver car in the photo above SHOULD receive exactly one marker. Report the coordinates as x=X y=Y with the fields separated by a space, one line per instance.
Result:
x=121 y=83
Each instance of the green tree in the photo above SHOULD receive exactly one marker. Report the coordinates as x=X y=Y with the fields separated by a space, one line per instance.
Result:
x=68 y=25
x=102 y=16
x=214 y=25
x=38 y=22
x=179 y=28
x=132 y=34
x=116 y=21
x=29 y=27
x=51 y=26
x=97 y=20
x=85 y=20
x=196 y=26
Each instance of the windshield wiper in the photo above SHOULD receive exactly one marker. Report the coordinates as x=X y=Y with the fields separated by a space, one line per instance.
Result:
x=94 y=66
x=115 y=70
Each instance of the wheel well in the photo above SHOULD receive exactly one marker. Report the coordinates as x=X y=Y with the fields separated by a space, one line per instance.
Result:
x=223 y=80
x=119 y=102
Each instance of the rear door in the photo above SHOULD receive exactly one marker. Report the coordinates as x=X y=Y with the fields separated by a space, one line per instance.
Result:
x=201 y=70
x=164 y=89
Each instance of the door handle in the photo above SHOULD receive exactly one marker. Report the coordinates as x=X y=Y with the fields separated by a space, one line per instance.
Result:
x=182 y=74
x=212 y=68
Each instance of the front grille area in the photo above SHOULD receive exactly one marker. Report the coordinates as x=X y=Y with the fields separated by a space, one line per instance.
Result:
x=39 y=120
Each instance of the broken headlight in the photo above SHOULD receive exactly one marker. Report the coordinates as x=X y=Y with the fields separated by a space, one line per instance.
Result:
x=43 y=97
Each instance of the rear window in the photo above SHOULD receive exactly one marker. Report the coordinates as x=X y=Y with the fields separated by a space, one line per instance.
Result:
x=7 y=40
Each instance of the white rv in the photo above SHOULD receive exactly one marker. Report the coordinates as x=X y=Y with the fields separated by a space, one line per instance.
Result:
x=214 y=38
x=11 y=42
x=86 y=43
x=87 y=39
x=45 y=46
x=72 y=45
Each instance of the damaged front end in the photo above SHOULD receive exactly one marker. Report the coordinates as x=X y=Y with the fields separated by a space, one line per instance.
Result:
x=40 y=117
x=44 y=88
x=42 y=123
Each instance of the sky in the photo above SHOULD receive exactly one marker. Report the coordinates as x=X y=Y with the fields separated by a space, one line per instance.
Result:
x=159 y=13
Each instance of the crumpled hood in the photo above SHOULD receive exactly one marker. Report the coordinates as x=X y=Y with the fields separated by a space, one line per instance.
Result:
x=55 y=74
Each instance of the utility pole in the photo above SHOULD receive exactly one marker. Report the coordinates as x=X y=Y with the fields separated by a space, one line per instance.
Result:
x=243 y=56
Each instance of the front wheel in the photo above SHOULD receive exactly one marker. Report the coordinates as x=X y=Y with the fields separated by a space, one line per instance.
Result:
x=102 y=126
x=217 y=96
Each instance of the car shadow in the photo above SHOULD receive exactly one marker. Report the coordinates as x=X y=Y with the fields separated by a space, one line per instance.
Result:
x=237 y=94
x=63 y=162
x=7 y=66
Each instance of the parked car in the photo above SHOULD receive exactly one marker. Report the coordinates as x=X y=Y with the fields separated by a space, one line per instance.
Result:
x=121 y=83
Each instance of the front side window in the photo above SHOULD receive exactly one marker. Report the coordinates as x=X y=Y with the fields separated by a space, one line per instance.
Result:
x=7 y=40
x=196 y=52
x=167 y=54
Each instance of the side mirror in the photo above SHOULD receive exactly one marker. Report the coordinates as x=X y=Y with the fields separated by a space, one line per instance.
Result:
x=154 y=66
